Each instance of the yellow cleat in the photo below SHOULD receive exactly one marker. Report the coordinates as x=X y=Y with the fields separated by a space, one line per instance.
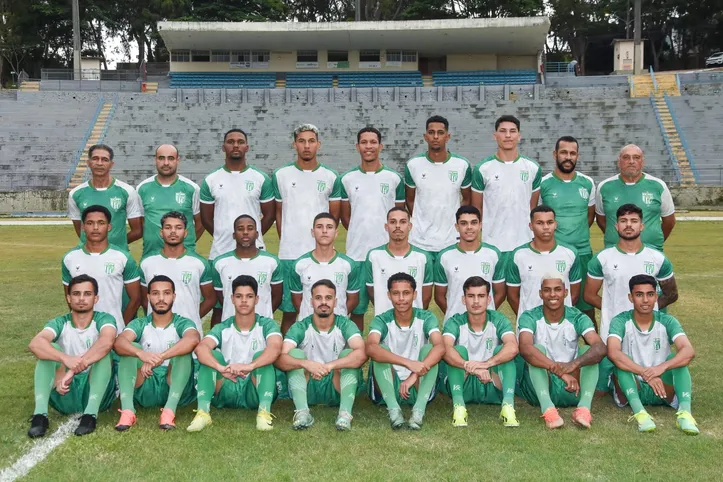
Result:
x=645 y=421
x=200 y=421
x=459 y=416
x=508 y=416
x=264 y=420
x=687 y=423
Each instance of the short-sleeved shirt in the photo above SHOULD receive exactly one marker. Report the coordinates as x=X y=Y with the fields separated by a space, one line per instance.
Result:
x=183 y=195
x=371 y=195
x=265 y=268
x=437 y=197
x=528 y=266
x=74 y=341
x=112 y=269
x=119 y=198
x=381 y=264
x=615 y=268
x=507 y=188
x=405 y=341
x=454 y=267
x=322 y=347
x=649 y=193
x=303 y=195
x=340 y=270
x=232 y=194
x=559 y=339
x=189 y=272
x=240 y=346
x=571 y=201
x=480 y=345
x=646 y=348
x=155 y=339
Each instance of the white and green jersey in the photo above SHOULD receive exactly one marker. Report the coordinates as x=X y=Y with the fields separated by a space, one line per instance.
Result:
x=559 y=339
x=480 y=345
x=405 y=341
x=340 y=270
x=371 y=195
x=238 y=346
x=454 y=267
x=437 y=197
x=303 y=195
x=154 y=339
x=264 y=268
x=571 y=201
x=650 y=194
x=232 y=194
x=507 y=188
x=112 y=269
x=646 y=348
x=182 y=195
x=119 y=198
x=189 y=272
x=615 y=268
x=74 y=341
x=528 y=266
x=381 y=264
x=322 y=347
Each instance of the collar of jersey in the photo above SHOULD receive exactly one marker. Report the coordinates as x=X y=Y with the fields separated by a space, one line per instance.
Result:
x=564 y=317
x=336 y=255
x=554 y=174
x=228 y=170
x=102 y=252
x=505 y=162
x=465 y=252
x=72 y=323
x=414 y=317
x=112 y=183
x=538 y=252
x=620 y=178
x=258 y=253
x=650 y=328
x=185 y=252
x=318 y=165
x=155 y=179
x=449 y=156
x=386 y=248
x=367 y=172
x=256 y=320
x=484 y=327
x=642 y=247
x=153 y=324
x=333 y=325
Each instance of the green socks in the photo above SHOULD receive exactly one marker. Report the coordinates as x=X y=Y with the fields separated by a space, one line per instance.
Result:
x=180 y=367
x=127 y=372
x=206 y=383
x=265 y=386
x=426 y=385
x=626 y=380
x=455 y=378
x=588 y=381
x=385 y=381
x=44 y=381
x=297 y=382
x=683 y=385
x=100 y=374
x=508 y=377
x=349 y=383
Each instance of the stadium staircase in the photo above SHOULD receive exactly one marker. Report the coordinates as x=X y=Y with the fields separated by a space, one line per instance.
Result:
x=94 y=135
x=30 y=86
x=151 y=88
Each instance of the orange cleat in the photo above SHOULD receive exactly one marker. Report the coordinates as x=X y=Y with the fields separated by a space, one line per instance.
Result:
x=552 y=418
x=127 y=420
x=168 y=419
x=582 y=417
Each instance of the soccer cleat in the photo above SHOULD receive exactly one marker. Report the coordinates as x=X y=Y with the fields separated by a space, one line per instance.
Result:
x=264 y=420
x=645 y=421
x=582 y=417
x=459 y=416
x=343 y=421
x=38 y=425
x=396 y=417
x=552 y=418
x=416 y=420
x=168 y=419
x=508 y=416
x=687 y=423
x=200 y=421
x=127 y=420
x=86 y=426
x=302 y=419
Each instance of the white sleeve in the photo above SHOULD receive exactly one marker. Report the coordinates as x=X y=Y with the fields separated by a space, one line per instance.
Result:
x=134 y=207
x=667 y=207
x=196 y=203
x=593 y=195
x=599 y=203
x=73 y=211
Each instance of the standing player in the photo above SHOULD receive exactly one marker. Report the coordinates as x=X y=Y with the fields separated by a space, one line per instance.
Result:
x=434 y=182
x=480 y=348
x=324 y=262
x=302 y=190
x=104 y=190
x=572 y=195
x=504 y=188
x=156 y=367
x=237 y=359
x=229 y=191
x=633 y=186
x=469 y=257
x=368 y=192
x=557 y=370
x=531 y=261
x=190 y=272
x=647 y=371
x=405 y=348
x=74 y=371
x=112 y=268
x=165 y=192
x=248 y=259
x=322 y=356
x=398 y=256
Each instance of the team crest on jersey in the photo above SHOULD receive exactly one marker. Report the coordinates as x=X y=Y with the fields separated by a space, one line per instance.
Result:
x=525 y=176
x=488 y=343
x=115 y=203
x=415 y=341
x=321 y=186
x=254 y=345
x=584 y=193
x=453 y=175
x=180 y=197
x=649 y=267
x=109 y=268
x=338 y=278
x=412 y=271
x=249 y=186
x=647 y=197
x=384 y=188
x=560 y=265
x=88 y=343
x=261 y=277
x=485 y=267
x=186 y=277
x=656 y=344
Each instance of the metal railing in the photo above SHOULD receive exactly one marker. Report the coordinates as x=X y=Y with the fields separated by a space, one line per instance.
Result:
x=90 y=74
x=666 y=139
x=655 y=82
x=86 y=136
x=681 y=135
x=559 y=67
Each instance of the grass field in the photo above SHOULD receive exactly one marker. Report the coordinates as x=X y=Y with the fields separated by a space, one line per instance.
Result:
x=231 y=448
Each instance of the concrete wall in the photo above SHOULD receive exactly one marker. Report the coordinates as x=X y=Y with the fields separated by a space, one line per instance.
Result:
x=689 y=197
x=471 y=62
x=517 y=62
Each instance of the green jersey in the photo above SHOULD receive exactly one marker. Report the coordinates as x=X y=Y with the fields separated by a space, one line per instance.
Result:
x=480 y=345
x=646 y=348
x=240 y=346
x=570 y=200
x=74 y=341
x=322 y=346
x=154 y=339
x=559 y=339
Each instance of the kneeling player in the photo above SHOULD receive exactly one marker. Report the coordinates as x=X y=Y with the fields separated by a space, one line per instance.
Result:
x=480 y=348
x=74 y=370
x=647 y=372
x=323 y=355
x=405 y=346
x=559 y=371
x=242 y=350
x=156 y=366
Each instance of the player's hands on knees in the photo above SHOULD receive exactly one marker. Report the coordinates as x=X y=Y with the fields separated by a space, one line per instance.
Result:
x=472 y=366
x=239 y=369
x=62 y=383
x=317 y=370
x=561 y=369
x=153 y=359
x=571 y=384
x=417 y=367
x=652 y=372
x=658 y=387
x=407 y=385
x=483 y=374
x=146 y=370
x=227 y=372
x=75 y=363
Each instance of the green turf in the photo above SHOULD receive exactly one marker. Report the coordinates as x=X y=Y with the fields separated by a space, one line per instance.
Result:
x=231 y=448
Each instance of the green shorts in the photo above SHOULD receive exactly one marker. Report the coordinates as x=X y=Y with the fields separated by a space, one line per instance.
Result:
x=474 y=390
x=604 y=381
x=154 y=390
x=377 y=398
x=323 y=392
x=286 y=304
x=647 y=396
x=583 y=259
x=559 y=396
x=76 y=399
x=241 y=394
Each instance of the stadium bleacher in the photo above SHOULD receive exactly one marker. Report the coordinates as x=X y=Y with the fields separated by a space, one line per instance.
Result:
x=229 y=80
x=380 y=79
x=308 y=80
x=482 y=77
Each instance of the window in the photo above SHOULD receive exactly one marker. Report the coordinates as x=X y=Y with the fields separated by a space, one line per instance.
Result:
x=241 y=56
x=220 y=56
x=200 y=56
x=260 y=57
x=180 y=56
x=307 y=56
x=338 y=56
x=369 y=56
x=394 y=56
x=409 y=56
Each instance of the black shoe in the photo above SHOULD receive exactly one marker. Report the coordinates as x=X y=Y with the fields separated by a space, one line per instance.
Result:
x=87 y=425
x=38 y=425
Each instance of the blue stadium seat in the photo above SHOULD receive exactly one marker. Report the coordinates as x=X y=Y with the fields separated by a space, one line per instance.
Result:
x=380 y=79
x=305 y=80
x=230 y=80
x=488 y=77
